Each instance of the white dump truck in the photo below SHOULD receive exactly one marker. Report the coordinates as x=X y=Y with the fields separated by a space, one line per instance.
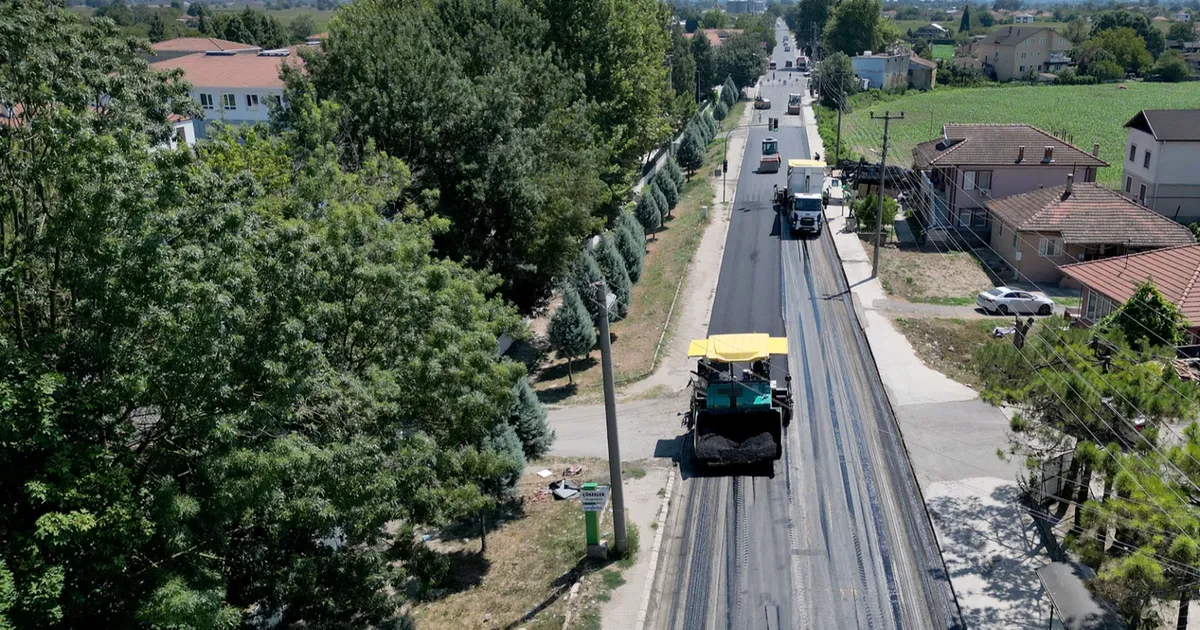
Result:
x=803 y=204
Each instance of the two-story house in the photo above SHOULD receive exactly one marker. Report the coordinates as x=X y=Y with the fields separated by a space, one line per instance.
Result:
x=236 y=86
x=1023 y=18
x=970 y=165
x=1162 y=162
x=882 y=71
x=1013 y=52
x=932 y=31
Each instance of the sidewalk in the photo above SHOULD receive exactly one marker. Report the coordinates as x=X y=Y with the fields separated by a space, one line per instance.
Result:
x=951 y=437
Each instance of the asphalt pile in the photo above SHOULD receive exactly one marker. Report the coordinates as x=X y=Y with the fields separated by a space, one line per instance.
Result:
x=719 y=449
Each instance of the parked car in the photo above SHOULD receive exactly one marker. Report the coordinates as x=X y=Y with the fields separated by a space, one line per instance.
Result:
x=1006 y=301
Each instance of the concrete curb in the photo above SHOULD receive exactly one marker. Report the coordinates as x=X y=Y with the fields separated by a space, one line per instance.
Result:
x=648 y=589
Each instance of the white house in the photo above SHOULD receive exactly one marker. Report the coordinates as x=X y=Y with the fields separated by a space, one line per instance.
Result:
x=236 y=87
x=1162 y=150
x=183 y=131
x=1023 y=18
x=882 y=71
x=1183 y=16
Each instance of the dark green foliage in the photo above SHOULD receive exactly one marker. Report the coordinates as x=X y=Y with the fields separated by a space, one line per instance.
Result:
x=1182 y=32
x=660 y=200
x=856 y=26
x=635 y=229
x=691 y=153
x=612 y=265
x=711 y=125
x=586 y=277
x=301 y=27
x=835 y=76
x=1141 y=25
x=672 y=167
x=572 y=333
x=706 y=63
x=729 y=92
x=251 y=27
x=633 y=249
x=865 y=211
x=647 y=213
x=1148 y=319
x=720 y=111
x=742 y=58
x=528 y=418
x=505 y=442
x=1172 y=67
x=666 y=184
x=965 y=24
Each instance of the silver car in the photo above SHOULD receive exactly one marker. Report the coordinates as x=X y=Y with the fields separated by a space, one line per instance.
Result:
x=1006 y=301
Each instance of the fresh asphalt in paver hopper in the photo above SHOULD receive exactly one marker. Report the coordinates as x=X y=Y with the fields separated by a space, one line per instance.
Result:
x=838 y=536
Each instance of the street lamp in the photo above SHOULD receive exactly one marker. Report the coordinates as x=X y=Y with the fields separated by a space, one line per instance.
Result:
x=725 y=162
x=610 y=415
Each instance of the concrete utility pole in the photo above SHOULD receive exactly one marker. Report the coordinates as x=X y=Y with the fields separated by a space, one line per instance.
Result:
x=886 y=118
x=610 y=414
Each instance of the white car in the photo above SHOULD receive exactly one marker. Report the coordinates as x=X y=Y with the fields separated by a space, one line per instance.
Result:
x=1006 y=301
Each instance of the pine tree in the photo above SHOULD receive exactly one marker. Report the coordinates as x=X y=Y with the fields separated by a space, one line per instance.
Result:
x=691 y=153
x=647 y=213
x=632 y=250
x=729 y=92
x=661 y=199
x=965 y=25
x=571 y=330
x=720 y=111
x=528 y=415
x=672 y=167
x=712 y=126
x=669 y=188
x=586 y=278
x=615 y=274
x=635 y=229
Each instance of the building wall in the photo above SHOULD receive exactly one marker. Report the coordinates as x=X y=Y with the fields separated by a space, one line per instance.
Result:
x=1024 y=256
x=241 y=114
x=920 y=77
x=187 y=128
x=882 y=72
x=1172 y=188
x=1037 y=48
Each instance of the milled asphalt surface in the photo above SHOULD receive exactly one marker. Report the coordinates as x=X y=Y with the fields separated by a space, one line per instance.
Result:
x=838 y=536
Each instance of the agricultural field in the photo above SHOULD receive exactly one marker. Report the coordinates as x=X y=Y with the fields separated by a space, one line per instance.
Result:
x=943 y=51
x=286 y=16
x=1087 y=113
x=950 y=24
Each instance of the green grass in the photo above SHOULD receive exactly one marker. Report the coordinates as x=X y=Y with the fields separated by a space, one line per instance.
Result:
x=1090 y=113
x=286 y=16
x=634 y=472
x=943 y=51
x=945 y=300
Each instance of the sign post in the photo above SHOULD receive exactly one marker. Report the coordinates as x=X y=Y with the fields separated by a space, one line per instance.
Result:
x=594 y=497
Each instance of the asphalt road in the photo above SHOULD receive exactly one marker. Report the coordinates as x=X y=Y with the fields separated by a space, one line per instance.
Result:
x=837 y=536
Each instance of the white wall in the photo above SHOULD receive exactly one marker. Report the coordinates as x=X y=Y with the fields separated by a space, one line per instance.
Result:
x=1180 y=163
x=241 y=115
x=189 y=133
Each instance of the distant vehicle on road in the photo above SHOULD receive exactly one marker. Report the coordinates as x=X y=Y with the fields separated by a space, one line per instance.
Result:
x=770 y=160
x=793 y=104
x=762 y=103
x=802 y=63
x=1006 y=301
x=772 y=65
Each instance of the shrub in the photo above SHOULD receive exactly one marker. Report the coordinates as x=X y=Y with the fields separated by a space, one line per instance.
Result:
x=666 y=184
x=660 y=199
x=647 y=213
x=866 y=208
x=528 y=416
x=633 y=250
x=720 y=111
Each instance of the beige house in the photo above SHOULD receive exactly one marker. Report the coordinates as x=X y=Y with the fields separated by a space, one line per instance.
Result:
x=1162 y=162
x=973 y=164
x=1013 y=52
x=922 y=73
x=1038 y=231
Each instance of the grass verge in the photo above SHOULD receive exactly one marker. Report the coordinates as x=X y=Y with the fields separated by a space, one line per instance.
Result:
x=947 y=344
x=930 y=277
x=667 y=257
x=533 y=559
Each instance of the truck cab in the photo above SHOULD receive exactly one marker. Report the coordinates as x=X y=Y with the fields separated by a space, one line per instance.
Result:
x=805 y=208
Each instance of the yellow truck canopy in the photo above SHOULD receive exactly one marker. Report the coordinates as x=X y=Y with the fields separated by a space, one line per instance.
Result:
x=738 y=348
x=806 y=164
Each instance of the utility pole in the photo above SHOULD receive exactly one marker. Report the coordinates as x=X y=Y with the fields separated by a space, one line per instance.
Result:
x=887 y=117
x=837 y=148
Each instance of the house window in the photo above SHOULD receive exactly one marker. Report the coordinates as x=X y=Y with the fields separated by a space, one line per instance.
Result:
x=977 y=180
x=1098 y=307
x=277 y=99
x=1042 y=42
x=1089 y=175
x=1049 y=247
x=979 y=220
x=1022 y=69
x=1146 y=160
x=206 y=101
x=1128 y=184
x=1014 y=240
x=251 y=102
x=229 y=101
x=1023 y=55
x=1132 y=152
x=1142 y=195
x=180 y=135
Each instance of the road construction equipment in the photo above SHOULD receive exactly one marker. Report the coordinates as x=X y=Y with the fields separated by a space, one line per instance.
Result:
x=802 y=201
x=762 y=103
x=793 y=104
x=770 y=160
x=737 y=410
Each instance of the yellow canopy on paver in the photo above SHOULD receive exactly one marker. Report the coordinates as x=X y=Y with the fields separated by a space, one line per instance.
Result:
x=739 y=348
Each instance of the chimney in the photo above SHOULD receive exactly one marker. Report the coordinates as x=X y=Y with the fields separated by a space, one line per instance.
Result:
x=1049 y=156
x=1020 y=154
x=1096 y=150
x=1070 y=183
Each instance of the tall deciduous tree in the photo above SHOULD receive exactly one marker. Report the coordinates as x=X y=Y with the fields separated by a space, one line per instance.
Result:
x=471 y=92
x=857 y=26
x=706 y=63
x=1140 y=24
x=1148 y=319
x=810 y=17
x=571 y=331
x=741 y=58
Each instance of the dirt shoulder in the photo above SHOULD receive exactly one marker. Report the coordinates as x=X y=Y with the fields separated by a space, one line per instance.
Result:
x=931 y=277
x=946 y=345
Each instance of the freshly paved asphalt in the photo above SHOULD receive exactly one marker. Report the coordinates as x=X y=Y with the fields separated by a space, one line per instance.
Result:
x=837 y=536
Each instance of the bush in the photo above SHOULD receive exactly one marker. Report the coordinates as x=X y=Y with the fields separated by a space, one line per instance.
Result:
x=729 y=92
x=1171 y=67
x=866 y=208
x=691 y=152
x=633 y=250
x=1068 y=77
x=585 y=275
x=1106 y=70
x=660 y=199
x=647 y=213
x=666 y=184
x=720 y=111
x=528 y=416
x=672 y=167
x=954 y=75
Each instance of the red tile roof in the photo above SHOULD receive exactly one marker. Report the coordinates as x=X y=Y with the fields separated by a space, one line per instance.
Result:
x=999 y=145
x=197 y=44
x=922 y=62
x=1090 y=215
x=241 y=70
x=716 y=36
x=1174 y=270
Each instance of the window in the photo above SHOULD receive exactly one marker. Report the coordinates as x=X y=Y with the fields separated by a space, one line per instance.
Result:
x=980 y=219
x=977 y=180
x=1146 y=160
x=229 y=101
x=1142 y=195
x=277 y=99
x=251 y=102
x=206 y=101
x=1022 y=69
x=1042 y=42
x=1023 y=55
x=1014 y=240
x=1128 y=184
x=180 y=135
x=1049 y=247
x=1132 y=152
x=1098 y=307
